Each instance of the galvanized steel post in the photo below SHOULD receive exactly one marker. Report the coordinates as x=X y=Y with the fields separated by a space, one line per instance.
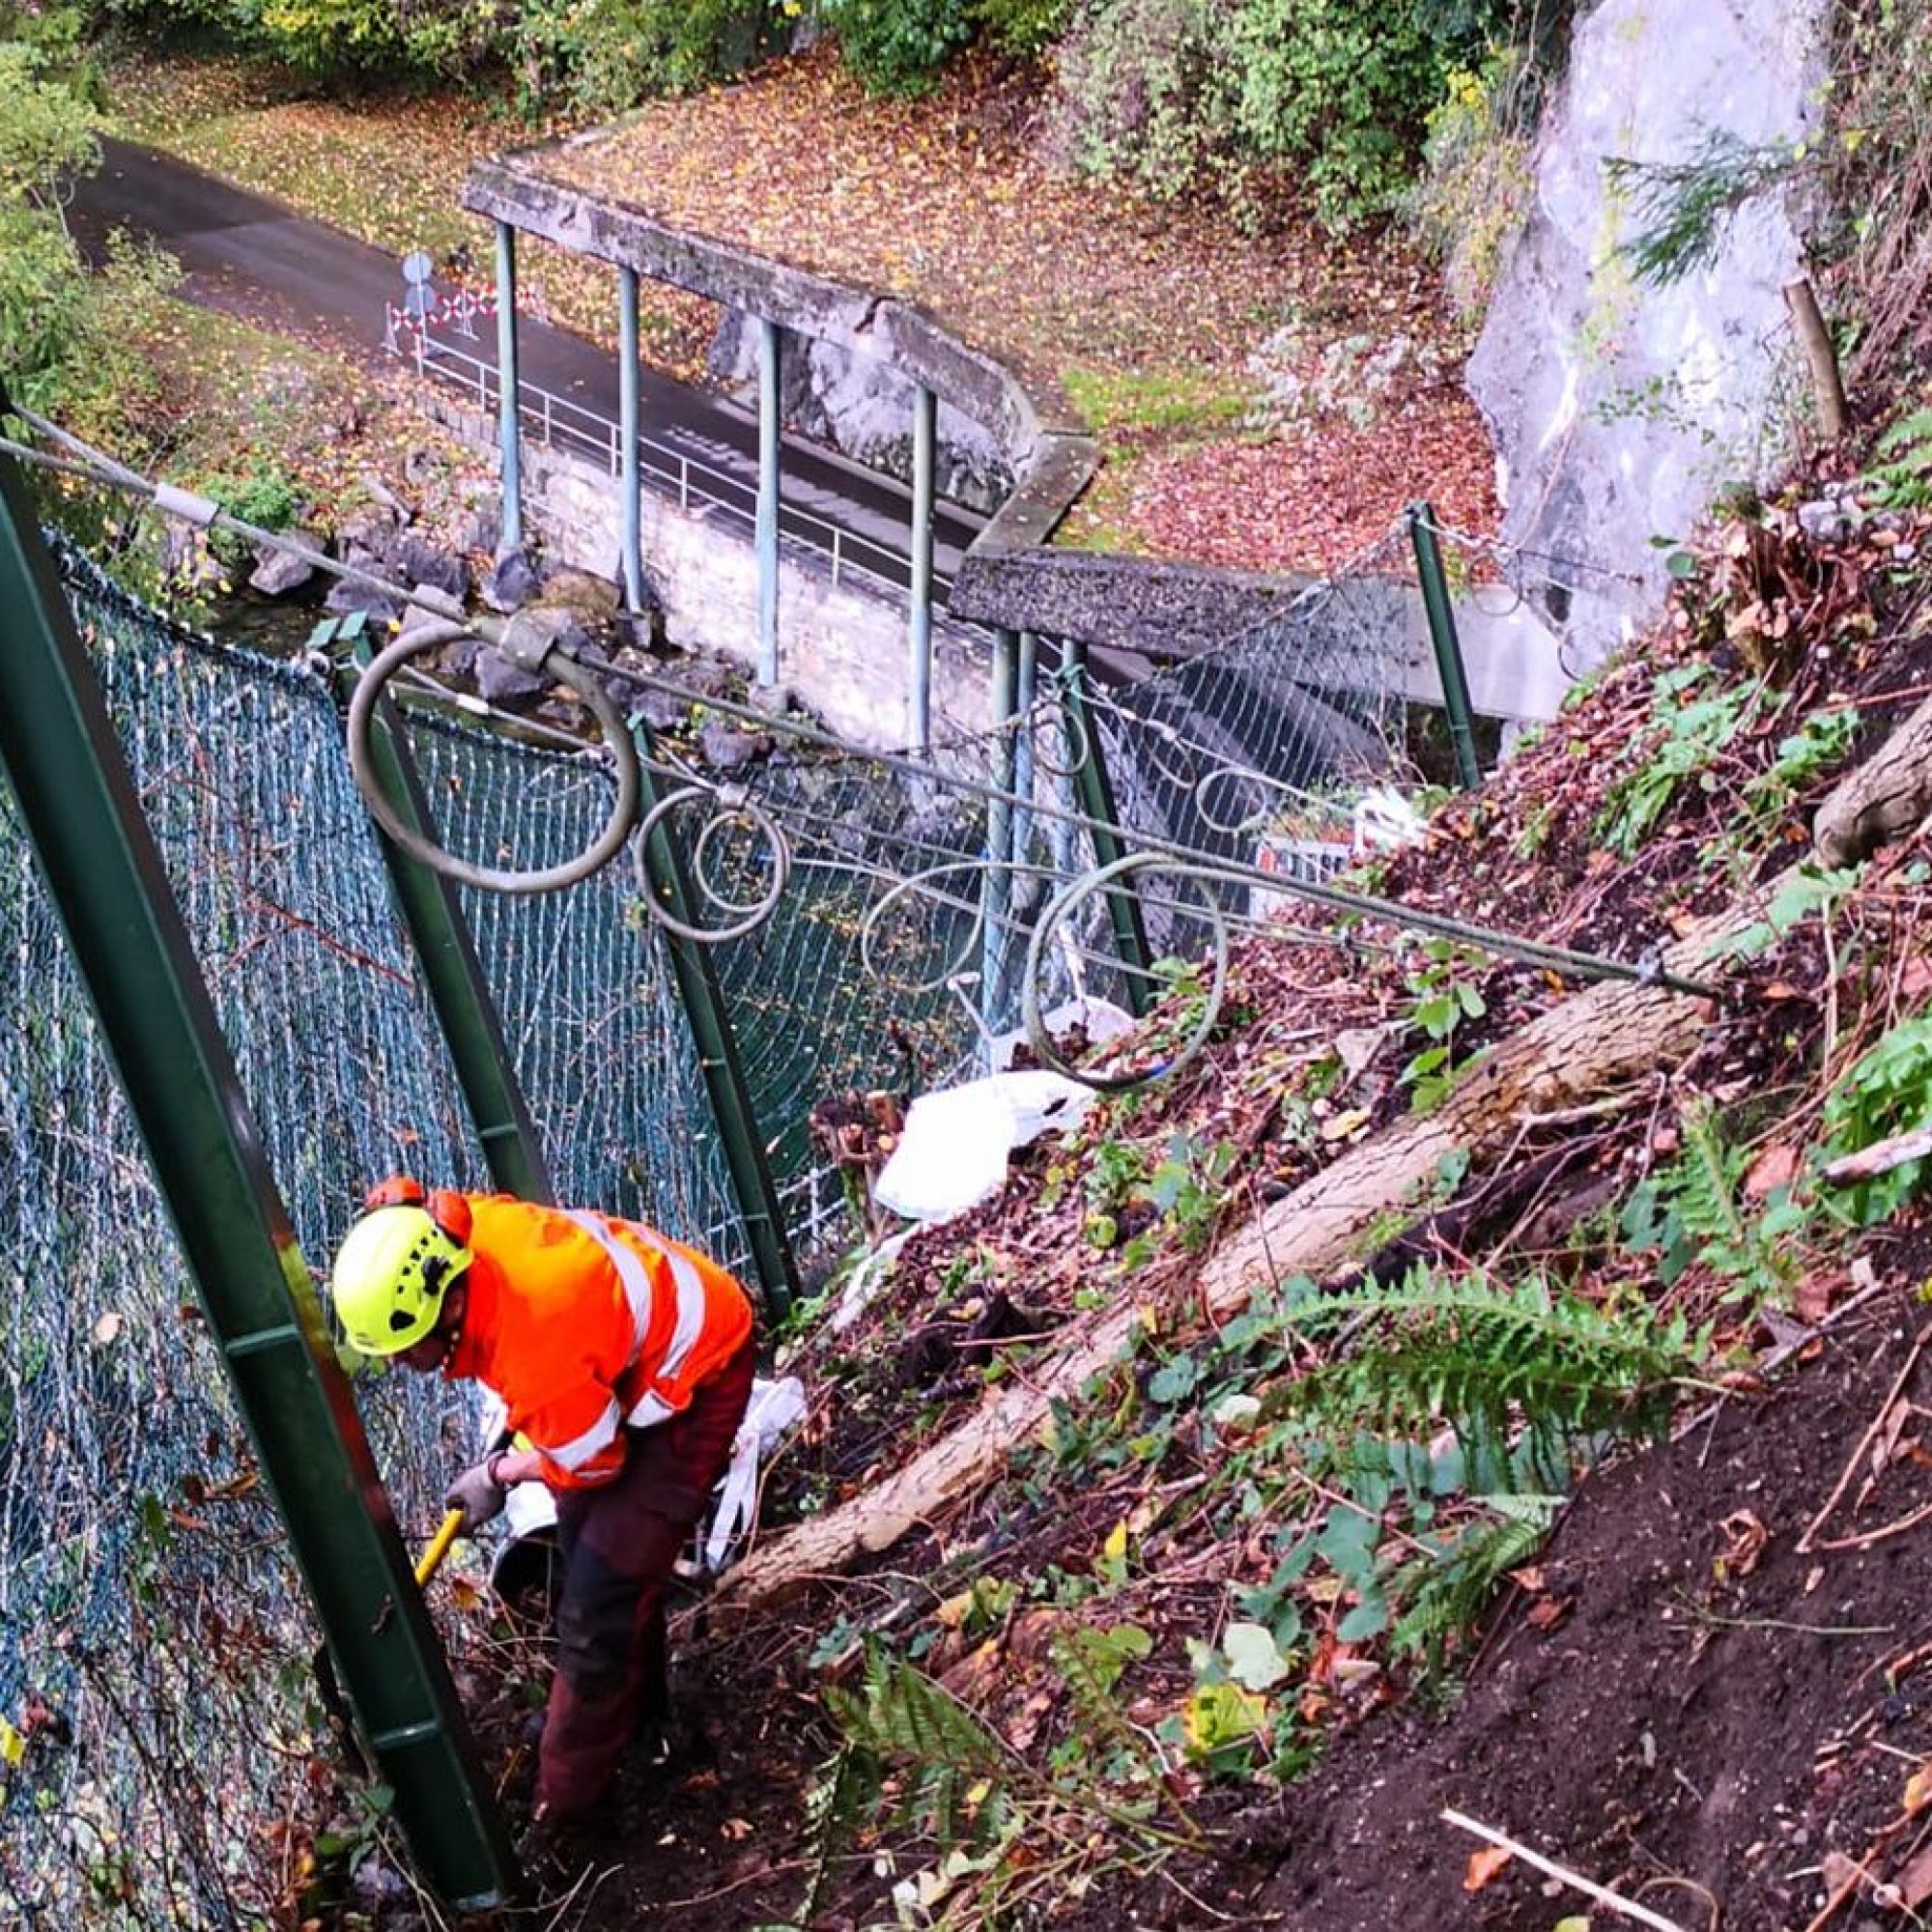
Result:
x=98 y=858
x=1087 y=760
x=452 y=974
x=996 y=894
x=918 y=682
x=768 y=501
x=508 y=439
x=1448 y=646
x=703 y=1001
x=631 y=467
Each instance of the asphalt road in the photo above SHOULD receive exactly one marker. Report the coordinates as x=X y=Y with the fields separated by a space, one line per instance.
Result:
x=246 y=254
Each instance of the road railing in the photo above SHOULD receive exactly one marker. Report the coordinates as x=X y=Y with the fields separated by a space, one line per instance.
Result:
x=693 y=485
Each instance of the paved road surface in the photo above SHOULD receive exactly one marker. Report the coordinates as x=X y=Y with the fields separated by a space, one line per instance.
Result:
x=249 y=255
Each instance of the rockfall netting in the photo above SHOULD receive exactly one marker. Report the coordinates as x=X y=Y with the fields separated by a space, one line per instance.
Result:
x=154 y=1639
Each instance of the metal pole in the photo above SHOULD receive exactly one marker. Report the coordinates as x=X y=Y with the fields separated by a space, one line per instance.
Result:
x=508 y=386
x=996 y=895
x=97 y=856
x=919 y=676
x=1097 y=801
x=1448 y=647
x=768 y=502
x=703 y=1001
x=633 y=453
x=452 y=973
x=1024 y=699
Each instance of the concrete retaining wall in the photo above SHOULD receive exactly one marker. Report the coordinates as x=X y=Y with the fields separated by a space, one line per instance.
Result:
x=839 y=648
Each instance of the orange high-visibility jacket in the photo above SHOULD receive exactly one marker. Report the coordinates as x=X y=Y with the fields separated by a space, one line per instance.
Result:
x=585 y=1325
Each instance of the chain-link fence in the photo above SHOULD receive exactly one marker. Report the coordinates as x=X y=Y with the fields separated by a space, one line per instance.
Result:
x=153 y=1633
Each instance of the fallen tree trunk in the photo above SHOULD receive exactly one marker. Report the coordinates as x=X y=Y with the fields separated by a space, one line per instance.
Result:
x=1611 y=1034
x=1883 y=799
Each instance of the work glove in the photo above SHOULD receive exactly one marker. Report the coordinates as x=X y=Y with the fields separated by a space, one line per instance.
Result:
x=478 y=1495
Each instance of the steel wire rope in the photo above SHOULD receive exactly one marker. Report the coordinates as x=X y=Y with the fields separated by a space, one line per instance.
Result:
x=619 y=745
x=751 y=913
x=1561 y=959
x=545 y=655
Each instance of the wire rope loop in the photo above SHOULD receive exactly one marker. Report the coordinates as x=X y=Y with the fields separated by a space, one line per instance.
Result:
x=920 y=886
x=725 y=811
x=1075 y=735
x=594 y=857
x=1099 y=879
x=1235 y=777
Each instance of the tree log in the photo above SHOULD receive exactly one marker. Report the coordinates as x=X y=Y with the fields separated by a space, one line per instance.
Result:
x=1884 y=797
x=1607 y=1036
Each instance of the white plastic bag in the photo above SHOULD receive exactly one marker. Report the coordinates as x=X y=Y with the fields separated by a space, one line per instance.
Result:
x=953 y=1155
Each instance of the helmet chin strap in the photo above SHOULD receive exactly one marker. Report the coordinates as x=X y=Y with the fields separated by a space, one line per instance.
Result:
x=454 y=1306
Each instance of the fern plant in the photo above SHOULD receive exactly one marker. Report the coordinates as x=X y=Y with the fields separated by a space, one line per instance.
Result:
x=1903 y=482
x=1444 y=1587
x=957 y=1770
x=1487 y=1356
x=1693 y=735
x=1887 y=1090
x=1695 y=1210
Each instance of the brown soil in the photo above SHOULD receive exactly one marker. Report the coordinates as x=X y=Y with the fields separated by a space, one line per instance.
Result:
x=1709 y=1722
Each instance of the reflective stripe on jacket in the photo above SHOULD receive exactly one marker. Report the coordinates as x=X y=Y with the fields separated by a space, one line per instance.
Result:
x=584 y=1325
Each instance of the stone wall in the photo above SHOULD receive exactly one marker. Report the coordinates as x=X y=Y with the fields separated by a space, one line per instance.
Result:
x=843 y=651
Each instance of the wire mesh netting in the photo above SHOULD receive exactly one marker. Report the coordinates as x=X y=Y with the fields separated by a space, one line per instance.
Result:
x=882 y=912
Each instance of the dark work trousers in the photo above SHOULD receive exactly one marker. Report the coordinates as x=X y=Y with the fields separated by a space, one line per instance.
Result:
x=619 y=1544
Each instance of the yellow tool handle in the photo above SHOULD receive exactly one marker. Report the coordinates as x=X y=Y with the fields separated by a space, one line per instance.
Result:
x=430 y=1560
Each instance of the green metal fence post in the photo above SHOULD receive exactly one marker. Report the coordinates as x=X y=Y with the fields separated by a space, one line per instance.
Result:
x=98 y=858
x=1448 y=647
x=703 y=1000
x=452 y=973
x=996 y=895
x=1097 y=801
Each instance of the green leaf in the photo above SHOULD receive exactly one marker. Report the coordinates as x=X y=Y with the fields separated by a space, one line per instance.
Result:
x=1368 y=1618
x=1253 y=1658
x=1173 y=1381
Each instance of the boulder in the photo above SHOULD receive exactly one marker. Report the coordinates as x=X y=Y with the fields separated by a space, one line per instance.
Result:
x=512 y=583
x=424 y=564
x=279 y=572
x=860 y=406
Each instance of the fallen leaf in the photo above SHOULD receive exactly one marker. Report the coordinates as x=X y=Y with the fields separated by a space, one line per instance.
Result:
x=1915 y=1881
x=1483 y=1866
x=1778 y=1166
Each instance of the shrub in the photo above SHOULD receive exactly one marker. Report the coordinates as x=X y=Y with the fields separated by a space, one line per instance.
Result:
x=1182 y=95
x=1021 y=28
x=1476 y=175
x=897 y=46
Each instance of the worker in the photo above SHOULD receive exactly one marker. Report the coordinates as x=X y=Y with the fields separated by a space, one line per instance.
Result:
x=623 y=1361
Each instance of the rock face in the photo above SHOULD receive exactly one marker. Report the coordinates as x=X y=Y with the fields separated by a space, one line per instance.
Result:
x=1621 y=409
x=860 y=406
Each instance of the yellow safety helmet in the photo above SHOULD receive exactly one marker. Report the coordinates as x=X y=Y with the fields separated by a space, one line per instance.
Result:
x=391 y=1276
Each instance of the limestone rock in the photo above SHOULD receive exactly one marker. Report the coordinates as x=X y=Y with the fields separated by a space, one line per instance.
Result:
x=1621 y=409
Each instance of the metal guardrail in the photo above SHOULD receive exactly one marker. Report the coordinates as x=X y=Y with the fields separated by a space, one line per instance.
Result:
x=555 y=422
